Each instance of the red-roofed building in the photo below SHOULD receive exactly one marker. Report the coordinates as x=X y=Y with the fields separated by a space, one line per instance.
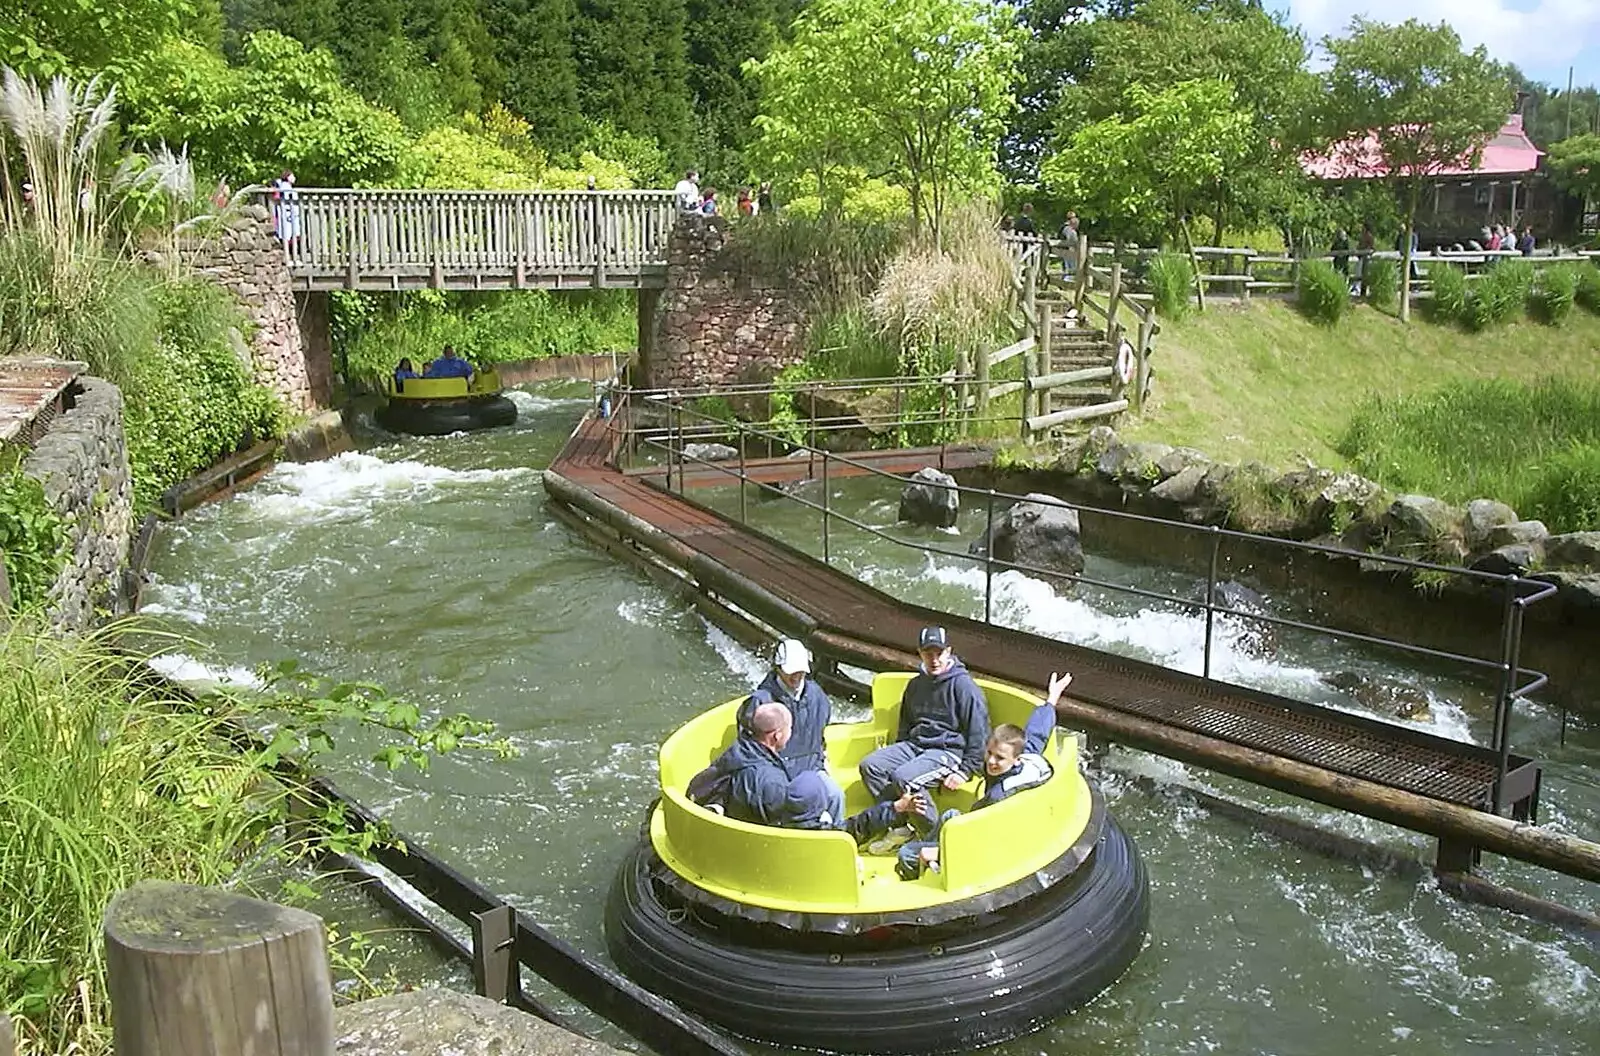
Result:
x=1506 y=186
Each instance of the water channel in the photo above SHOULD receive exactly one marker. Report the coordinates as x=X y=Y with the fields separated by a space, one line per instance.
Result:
x=432 y=566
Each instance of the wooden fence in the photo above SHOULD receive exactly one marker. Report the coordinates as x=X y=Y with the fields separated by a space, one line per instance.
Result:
x=392 y=240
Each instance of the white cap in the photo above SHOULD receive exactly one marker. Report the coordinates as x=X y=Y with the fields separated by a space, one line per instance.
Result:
x=792 y=657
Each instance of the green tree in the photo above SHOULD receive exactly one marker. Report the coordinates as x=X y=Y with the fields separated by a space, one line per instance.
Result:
x=1408 y=98
x=1162 y=43
x=41 y=38
x=1151 y=167
x=722 y=35
x=1575 y=165
x=633 y=69
x=285 y=107
x=1057 y=44
x=918 y=90
x=534 y=40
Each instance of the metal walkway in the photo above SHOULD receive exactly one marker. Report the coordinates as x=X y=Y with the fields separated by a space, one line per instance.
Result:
x=1379 y=752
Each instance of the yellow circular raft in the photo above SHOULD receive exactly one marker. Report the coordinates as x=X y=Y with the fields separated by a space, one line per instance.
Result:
x=793 y=937
x=438 y=406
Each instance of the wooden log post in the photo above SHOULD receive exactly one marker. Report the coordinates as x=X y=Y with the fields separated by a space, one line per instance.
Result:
x=1080 y=288
x=1042 y=351
x=8 y=1037
x=198 y=971
x=1141 y=353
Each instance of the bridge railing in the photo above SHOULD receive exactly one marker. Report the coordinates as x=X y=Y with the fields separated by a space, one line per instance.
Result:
x=414 y=238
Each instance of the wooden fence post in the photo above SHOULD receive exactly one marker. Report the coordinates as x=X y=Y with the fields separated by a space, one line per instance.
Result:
x=1113 y=299
x=1030 y=293
x=8 y=1037
x=1081 y=288
x=198 y=971
x=1141 y=354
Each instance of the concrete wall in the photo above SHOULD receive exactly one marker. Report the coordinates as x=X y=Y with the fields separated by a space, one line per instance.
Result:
x=82 y=463
x=718 y=321
x=247 y=259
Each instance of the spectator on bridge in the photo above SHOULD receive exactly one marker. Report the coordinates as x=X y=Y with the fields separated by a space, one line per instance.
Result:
x=402 y=372
x=708 y=203
x=687 y=192
x=787 y=683
x=1023 y=224
x=285 y=207
x=449 y=365
x=944 y=724
x=1068 y=236
x=1525 y=244
x=764 y=202
x=746 y=204
x=749 y=782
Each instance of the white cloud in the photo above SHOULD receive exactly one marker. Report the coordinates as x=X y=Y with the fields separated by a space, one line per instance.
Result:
x=1541 y=38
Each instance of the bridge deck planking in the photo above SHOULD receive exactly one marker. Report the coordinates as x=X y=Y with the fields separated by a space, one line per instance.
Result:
x=1380 y=752
x=901 y=462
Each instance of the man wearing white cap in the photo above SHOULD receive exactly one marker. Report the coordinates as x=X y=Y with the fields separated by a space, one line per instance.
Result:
x=787 y=684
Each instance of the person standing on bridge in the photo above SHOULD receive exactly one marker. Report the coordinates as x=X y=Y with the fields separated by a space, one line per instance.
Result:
x=944 y=725
x=787 y=684
x=285 y=207
x=687 y=192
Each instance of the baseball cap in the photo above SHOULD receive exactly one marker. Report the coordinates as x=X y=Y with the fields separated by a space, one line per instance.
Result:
x=792 y=657
x=933 y=638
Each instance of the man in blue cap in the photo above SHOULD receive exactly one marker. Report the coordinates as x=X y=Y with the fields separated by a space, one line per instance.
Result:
x=944 y=725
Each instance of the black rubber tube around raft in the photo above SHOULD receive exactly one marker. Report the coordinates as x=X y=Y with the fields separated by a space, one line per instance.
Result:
x=912 y=990
x=453 y=415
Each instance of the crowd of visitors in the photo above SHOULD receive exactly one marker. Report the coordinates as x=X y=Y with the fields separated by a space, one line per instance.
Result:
x=748 y=201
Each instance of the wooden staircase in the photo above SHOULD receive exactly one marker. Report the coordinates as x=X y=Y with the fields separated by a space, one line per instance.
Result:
x=1074 y=346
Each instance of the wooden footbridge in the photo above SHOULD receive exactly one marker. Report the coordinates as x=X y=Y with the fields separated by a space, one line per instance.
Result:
x=1445 y=788
x=338 y=239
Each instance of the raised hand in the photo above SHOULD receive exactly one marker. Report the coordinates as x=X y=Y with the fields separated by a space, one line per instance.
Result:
x=1057 y=686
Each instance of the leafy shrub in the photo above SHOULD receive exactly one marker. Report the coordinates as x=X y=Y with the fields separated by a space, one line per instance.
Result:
x=1565 y=492
x=1449 y=301
x=1383 y=282
x=1171 y=278
x=848 y=344
x=1324 y=291
x=190 y=399
x=32 y=538
x=1588 y=293
x=374 y=332
x=1554 y=290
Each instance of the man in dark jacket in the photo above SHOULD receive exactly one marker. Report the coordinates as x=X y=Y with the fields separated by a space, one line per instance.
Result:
x=749 y=781
x=787 y=684
x=944 y=725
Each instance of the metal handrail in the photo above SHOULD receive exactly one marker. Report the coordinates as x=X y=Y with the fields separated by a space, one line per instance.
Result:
x=1518 y=601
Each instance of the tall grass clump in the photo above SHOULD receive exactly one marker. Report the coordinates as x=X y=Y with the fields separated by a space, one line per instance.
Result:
x=1554 y=292
x=1500 y=295
x=848 y=343
x=105 y=784
x=1382 y=280
x=829 y=258
x=1588 y=293
x=1507 y=440
x=1324 y=292
x=1448 y=285
x=1171 y=278
x=33 y=537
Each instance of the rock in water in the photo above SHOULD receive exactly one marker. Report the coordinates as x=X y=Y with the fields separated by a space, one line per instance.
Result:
x=1387 y=696
x=709 y=452
x=1040 y=532
x=931 y=498
x=447 y=1023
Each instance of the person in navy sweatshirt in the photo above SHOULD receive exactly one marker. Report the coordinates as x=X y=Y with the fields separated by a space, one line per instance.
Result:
x=944 y=724
x=748 y=782
x=788 y=684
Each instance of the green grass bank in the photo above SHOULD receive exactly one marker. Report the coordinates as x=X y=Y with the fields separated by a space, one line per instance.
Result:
x=1262 y=382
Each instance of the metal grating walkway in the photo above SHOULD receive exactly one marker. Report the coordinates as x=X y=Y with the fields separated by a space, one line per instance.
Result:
x=1393 y=756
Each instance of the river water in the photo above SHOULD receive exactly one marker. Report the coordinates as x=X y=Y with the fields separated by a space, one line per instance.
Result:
x=432 y=566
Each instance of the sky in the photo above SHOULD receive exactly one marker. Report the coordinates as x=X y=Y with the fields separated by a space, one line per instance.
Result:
x=1542 y=37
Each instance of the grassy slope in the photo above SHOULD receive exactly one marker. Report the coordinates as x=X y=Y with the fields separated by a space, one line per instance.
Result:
x=1263 y=383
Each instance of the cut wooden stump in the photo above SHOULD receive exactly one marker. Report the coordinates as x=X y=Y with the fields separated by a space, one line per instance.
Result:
x=197 y=971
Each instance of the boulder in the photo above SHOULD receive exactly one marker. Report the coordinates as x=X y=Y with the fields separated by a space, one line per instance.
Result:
x=1255 y=637
x=448 y=1023
x=1178 y=459
x=1041 y=532
x=1483 y=516
x=709 y=452
x=1573 y=550
x=808 y=488
x=1513 y=559
x=1421 y=518
x=1343 y=501
x=1181 y=487
x=1533 y=533
x=1133 y=463
x=1384 y=695
x=1579 y=592
x=931 y=498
